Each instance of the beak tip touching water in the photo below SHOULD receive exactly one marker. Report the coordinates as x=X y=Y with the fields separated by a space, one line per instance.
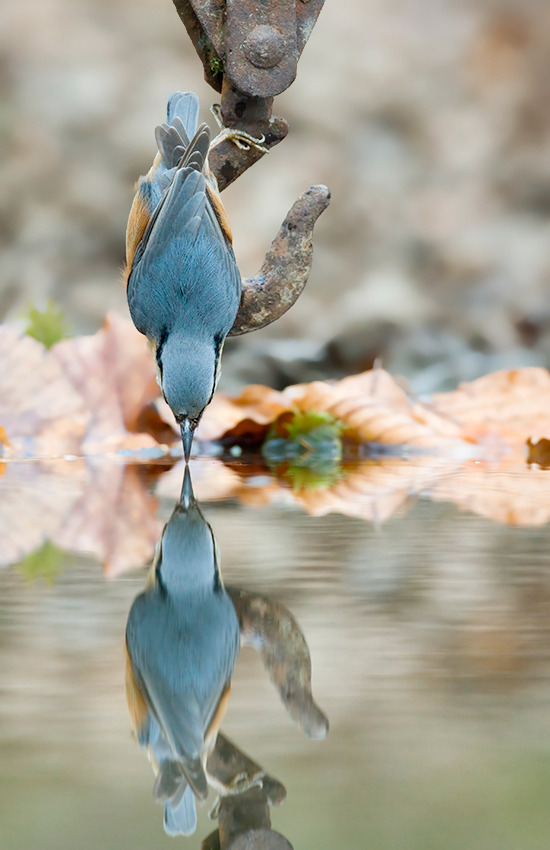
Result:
x=187 y=433
x=187 y=497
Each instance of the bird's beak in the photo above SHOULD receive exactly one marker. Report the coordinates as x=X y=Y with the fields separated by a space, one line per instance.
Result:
x=187 y=432
x=187 y=497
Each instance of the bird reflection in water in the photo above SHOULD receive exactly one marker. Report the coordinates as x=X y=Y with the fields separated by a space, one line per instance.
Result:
x=182 y=639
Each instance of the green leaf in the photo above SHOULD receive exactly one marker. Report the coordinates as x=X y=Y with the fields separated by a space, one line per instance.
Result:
x=305 y=448
x=47 y=326
x=313 y=476
x=46 y=563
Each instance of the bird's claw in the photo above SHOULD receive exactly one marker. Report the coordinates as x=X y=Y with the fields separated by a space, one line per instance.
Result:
x=239 y=784
x=243 y=140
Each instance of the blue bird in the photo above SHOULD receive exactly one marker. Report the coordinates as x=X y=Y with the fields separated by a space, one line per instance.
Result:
x=183 y=284
x=182 y=640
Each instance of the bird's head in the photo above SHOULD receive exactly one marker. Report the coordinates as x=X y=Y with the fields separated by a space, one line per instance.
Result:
x=188 y=370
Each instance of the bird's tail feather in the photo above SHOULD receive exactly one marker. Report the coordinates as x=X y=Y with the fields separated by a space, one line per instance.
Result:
x=173 y=789
x=177 y=150
x=170 y=783
x=181 y=818
x=197 y=150
x=185 y=107
x=196 y=777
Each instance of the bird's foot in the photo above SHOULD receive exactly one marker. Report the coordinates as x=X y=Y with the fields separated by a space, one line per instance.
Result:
x=238 y=785
x=240 y=138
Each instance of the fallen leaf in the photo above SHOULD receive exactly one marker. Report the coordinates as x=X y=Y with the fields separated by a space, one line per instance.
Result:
x=4 y=439
x=375 y=490
x=96 y=394
x=114 y=373
x=254 y=410
x=47 y=326
x=501 y=411
x=508 y=492
x=102 y=508
x=115 y=518
x=539 y=453
x=86 y=395
x=37 y=499
x=105 y=508
x=372 y=406
x=491 y=417
x=40 y=410
x=45 y=563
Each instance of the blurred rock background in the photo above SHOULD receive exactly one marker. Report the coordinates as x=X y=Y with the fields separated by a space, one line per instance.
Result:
x=428 y=119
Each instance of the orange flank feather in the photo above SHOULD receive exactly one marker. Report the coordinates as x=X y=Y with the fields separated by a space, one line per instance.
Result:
x=212 y=732
x=137 y=222
x=138 y=219
x=219 y=211
x=140 y=215
x=135 y=699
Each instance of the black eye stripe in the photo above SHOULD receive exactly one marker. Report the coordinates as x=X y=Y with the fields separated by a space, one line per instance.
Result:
x=218 y=342
x=158 y=353
x=162 y=340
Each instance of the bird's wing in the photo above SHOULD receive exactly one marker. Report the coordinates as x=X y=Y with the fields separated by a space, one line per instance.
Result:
x=183 y=252
x=180 y=721
x=179 y=214
x=188 y=159
x=186 y=184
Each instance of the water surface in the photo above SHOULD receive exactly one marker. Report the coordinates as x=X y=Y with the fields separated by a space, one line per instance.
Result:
x=429 y=643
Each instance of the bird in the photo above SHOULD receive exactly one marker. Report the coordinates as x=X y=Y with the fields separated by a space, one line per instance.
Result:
x=182 y=281
x=182 y=641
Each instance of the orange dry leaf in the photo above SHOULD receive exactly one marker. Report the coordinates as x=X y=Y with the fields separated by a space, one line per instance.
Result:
x=372 y=405
x=508 y=492
x=378 y=410
x=376 y=490
x=501 y=411
x=85 y=395
x=256 y=406
x=114 y=373
x=4 y=438
x=491 y=417
x=39 y=408
x=104 y=509
x=114 y=519
x=95 y=394
x=37 y=497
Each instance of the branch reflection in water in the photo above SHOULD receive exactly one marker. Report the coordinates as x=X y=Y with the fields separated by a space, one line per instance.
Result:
x=182 y=640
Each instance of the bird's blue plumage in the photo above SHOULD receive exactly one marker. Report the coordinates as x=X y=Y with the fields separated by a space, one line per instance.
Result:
x=184 y=282
x=180 y=818
x=171 y=787
x=182 y=638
